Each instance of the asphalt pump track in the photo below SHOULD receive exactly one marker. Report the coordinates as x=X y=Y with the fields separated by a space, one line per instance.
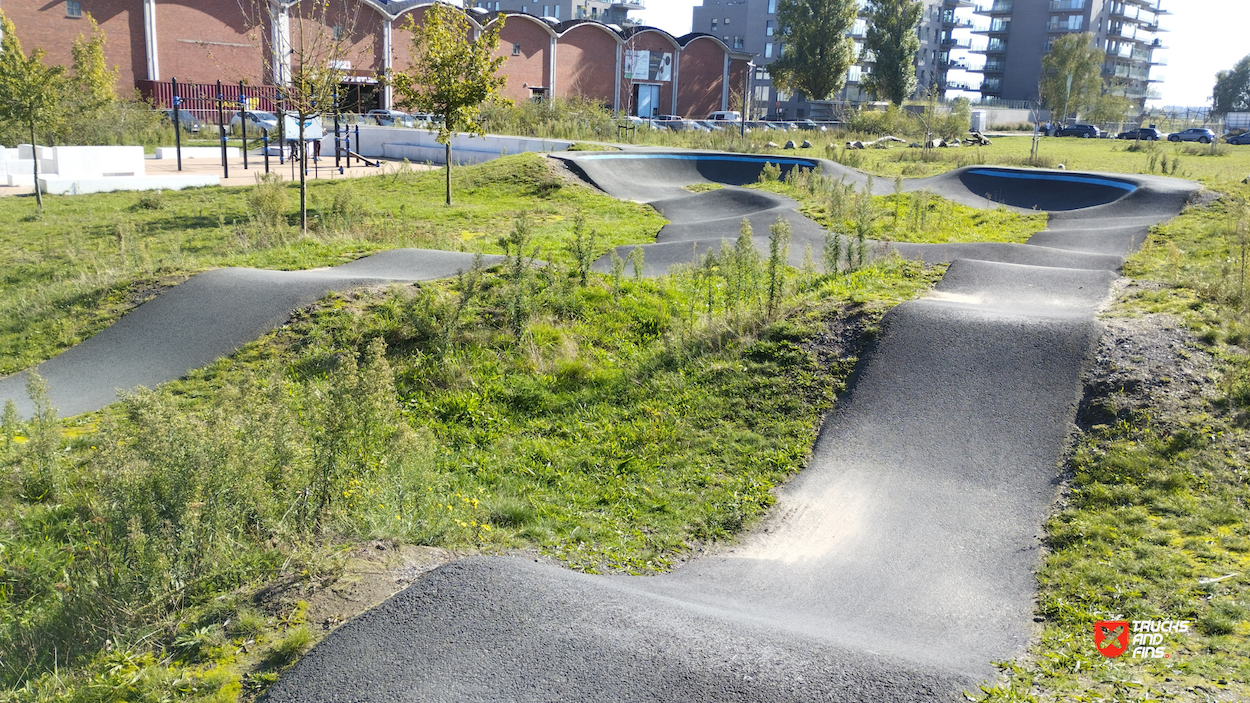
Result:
x=896 y=567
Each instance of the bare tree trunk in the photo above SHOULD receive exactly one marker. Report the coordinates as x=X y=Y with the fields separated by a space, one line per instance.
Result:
x=303 y=180
x=34 y=153
x=449 y=170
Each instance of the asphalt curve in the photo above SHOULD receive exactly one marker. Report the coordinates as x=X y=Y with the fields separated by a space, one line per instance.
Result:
x=896 y=567
x=207 y=316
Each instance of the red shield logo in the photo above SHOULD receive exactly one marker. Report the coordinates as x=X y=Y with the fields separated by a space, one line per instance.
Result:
x=1111 y=637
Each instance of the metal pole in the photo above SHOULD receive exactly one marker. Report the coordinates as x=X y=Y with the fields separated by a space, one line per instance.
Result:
x=266 y=142
x=746 y=92
x=281 y=132
x=243 y=121
x=338 y=145
x=177 y=122
x=357 y=149
x=221 y=130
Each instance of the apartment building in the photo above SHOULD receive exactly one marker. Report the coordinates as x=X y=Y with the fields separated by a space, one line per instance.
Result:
x=1020 y=32
x=606 y=11
x=751 y=26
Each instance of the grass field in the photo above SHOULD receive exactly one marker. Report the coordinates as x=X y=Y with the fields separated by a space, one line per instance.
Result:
x=610 y=423
x=607 y=422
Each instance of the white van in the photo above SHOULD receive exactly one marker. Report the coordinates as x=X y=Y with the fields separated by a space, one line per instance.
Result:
x=726 y=116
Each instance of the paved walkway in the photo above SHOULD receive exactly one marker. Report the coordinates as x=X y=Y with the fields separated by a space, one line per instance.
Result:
x=240 y=176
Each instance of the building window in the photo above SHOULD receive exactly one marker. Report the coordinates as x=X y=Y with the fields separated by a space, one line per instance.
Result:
x=524 y=9
x=769 y=27
x=546 y=10
x=516 y=49
x=73 y=8
x=338 y=32
x=726 y=21
x=772 y=7
x=713 y=24
x=557 y=12
x=737 y=42
x=768 y=50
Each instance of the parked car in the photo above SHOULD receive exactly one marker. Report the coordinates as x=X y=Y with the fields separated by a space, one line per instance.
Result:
x=256 y=120
x=1202 y=135
x=1242 y=139
x=187 y=121
x=725 y=116
x=391 y=118
x=811 y=126
x=712 y=125
x=1085 y=131
x=1146 y=134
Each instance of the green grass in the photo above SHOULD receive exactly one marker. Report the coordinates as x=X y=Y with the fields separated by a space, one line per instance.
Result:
x=86 y=260
x=613 y=425
x=1159 y=498
x=903 y=217
x=610 y=423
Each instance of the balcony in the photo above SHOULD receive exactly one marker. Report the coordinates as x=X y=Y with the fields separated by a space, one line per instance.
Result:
x=1000 y=7
x=953 y=43
x=1065 y=26
x=998 y=26
x=630 y=4
x=1066 y=5
x=994 y=67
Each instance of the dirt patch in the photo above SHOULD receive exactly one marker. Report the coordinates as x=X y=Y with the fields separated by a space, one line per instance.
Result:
x=370 y=574
x=1149 y=362
x=144 y=290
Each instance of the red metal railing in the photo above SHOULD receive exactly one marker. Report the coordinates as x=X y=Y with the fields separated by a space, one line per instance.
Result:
x=202 y=97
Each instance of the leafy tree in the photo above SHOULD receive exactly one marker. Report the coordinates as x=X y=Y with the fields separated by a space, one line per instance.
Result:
x=1232 y=89
x=818 y=51
x=1113 y=104
x=91 y=81
x=893 y=41
x=1072 y=74
x=30 y=92
x=451 y=75
x=311 y=65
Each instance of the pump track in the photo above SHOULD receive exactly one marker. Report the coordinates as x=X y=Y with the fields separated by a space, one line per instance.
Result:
x=896 y=567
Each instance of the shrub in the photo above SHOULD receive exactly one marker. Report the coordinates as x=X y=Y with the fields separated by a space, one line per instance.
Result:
x=267 y=205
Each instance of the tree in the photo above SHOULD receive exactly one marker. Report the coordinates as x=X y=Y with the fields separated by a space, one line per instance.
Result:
x=1232 y=89
x=91 y=81
x=893 y=41
x=451 y=75
x=30 y=92
x=313 y=46
x=818 y=50
x=1072 y=74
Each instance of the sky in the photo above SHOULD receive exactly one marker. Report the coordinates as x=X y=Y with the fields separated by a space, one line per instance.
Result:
x=1204 y=36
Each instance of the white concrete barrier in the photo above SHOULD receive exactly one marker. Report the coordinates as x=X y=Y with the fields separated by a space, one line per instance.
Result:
x=422 y=145
x=55 y=185
x=88 y=162
x=196 y=152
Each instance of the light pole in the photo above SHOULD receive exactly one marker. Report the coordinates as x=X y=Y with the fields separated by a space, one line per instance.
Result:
x=746 y=95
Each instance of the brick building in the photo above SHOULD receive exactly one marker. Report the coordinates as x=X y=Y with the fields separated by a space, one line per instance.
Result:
x=629 y=69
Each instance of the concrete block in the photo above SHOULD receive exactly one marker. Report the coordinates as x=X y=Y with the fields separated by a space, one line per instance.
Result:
x=22 y=168
x=196 y=152
x=91 y=162
x=55 y=185
x=20 y=179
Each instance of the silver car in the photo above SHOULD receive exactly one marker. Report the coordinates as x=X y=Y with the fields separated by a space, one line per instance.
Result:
x=1202 y=135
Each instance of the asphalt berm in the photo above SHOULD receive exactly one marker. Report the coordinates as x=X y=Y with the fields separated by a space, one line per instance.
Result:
x=896 y=567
